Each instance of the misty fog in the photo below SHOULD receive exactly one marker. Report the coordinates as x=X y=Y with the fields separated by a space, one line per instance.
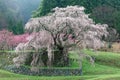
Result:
x=16 y=10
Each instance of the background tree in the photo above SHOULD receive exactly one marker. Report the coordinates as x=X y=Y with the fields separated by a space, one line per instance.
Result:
x=116 y=17
x=8 y=41
x=9 y=17
x=58 y=32
x=47 y=5
x=26 y=7
x=5 y=38
x=15 y=13
x=102 y=11
x=108 y=15
x=104 y=14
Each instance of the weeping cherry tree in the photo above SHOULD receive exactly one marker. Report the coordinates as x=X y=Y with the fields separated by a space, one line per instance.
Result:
x=52 y=36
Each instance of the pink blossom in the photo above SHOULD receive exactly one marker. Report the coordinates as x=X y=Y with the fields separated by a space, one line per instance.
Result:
x=8 y=40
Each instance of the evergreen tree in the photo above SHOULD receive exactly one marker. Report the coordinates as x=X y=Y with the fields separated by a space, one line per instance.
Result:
x=9 y=17
x=105 y=8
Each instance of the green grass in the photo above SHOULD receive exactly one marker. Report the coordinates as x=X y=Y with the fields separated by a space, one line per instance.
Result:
x=106 y=58
x=106 y=67
x=11 y=76
x=98 y=69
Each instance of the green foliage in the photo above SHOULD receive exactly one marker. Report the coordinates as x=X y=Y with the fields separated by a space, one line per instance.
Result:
x=108 y=15
x=116 y=16
x=26 y=7
x=104 y=14
x=9 y=17
x=103 y=11
x=16 y=28
x=47 y=5
x=5 y=59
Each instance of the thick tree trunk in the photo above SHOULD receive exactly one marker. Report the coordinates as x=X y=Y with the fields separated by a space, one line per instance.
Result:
x=65 y=57
x=37 y=61
x=61 y=57
x=57 y=58
x=50 y=56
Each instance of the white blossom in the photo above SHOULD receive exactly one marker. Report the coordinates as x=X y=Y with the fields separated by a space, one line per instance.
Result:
x=56 y=29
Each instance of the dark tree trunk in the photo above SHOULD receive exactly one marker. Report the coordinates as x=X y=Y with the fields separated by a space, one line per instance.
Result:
x=65 y=57
x=37 y=61
x=57 y=58
x=29 y=59
x=44 y=58
x=61 y=57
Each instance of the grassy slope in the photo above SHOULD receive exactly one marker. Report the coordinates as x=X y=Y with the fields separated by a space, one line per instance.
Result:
x=106 y=68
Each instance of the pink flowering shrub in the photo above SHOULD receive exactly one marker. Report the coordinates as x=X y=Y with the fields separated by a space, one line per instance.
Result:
x=19 y=39
x=8 y=40
x=5 y=38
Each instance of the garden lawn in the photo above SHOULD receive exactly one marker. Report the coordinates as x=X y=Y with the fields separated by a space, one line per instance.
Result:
x=107 y=67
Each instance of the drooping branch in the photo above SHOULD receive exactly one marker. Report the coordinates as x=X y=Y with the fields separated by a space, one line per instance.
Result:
x=62 y=29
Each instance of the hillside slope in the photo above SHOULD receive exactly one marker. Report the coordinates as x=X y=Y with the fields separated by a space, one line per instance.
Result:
x=26 y=7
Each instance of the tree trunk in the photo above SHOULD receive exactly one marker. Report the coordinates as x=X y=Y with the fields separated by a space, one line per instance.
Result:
x=65 y=57
x=37 y=61
x=61 y=57
x=50 y=56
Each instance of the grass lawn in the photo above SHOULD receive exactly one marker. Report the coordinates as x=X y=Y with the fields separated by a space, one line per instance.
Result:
x=107 y=67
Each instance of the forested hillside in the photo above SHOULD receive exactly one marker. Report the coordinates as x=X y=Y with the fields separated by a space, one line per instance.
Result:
x=9 y=16
x=26 y=7
x=102 y=11
x=15 y=13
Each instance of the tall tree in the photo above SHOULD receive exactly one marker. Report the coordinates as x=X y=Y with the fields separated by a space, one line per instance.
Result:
x=102 y=11
x=116 y=17
x=9 y=17
x=108 y=15
x=104 y=14
x=8 y=40
x=47 y=5
x=56 y=33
